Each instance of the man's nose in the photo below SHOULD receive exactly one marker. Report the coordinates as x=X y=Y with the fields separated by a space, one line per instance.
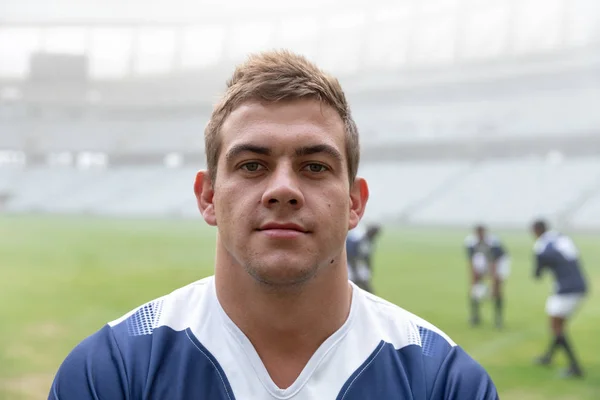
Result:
x=283 y=188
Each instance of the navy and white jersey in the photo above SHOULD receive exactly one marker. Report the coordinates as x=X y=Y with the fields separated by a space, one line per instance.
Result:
x=358 y=247
x=184 y=346
x=490 y=247
x=557 y=253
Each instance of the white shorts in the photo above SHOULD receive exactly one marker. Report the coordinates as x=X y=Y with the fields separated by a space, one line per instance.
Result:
x=563 y=305
x=480 y=265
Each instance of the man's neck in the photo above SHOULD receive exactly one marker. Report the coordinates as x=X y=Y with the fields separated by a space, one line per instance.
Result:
x=285 y=326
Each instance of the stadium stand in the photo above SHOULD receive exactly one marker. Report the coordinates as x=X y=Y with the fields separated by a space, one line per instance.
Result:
x=396 y=187
x=588 y=216
x=512 y=192
x=104 y=134
x=516 y=115
x=168 y=192
x=436 y=193
x=135 y=191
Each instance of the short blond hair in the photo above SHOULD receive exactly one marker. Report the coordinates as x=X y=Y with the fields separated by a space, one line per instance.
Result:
x=277 y=76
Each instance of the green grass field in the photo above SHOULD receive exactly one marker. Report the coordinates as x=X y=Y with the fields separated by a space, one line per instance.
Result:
x=63 y=278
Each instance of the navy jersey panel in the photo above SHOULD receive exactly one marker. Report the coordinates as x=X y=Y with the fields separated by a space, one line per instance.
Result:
x=461 y=378
x=434 y=371
x=92 y=370
x=165 y=364
x=166 y=356
x=387 y=375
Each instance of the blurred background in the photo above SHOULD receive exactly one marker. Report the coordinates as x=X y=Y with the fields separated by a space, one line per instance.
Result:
x=470 y=111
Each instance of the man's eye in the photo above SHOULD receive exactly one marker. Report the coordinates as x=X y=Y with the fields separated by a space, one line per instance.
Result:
x=316 y=167
x=251 y=166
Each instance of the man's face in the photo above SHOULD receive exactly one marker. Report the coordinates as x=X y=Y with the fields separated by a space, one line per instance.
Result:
x=282 y=199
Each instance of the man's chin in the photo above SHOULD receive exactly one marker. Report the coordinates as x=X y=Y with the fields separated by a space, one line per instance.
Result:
x=278 y=275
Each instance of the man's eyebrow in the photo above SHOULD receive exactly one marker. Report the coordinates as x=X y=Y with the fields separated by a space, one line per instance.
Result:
x=319 y=148
x=247 y=147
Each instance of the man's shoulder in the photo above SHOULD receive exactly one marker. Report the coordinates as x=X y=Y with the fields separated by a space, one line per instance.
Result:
x=545 y=241
x=424 y=353
x=401 y=327
x=156 y=338
x=173 y=310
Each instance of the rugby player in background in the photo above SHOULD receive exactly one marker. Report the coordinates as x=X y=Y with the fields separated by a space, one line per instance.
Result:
x=487 y=258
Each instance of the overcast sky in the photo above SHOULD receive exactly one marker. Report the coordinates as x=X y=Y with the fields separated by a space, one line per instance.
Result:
x=22 y=10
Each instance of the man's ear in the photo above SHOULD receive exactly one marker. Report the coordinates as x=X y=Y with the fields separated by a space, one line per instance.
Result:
x=203 y=188
x=359 y=194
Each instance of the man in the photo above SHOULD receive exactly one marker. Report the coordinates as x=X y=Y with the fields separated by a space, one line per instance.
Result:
x=279 y=319
x=558 y=254
x=360 y=244
x=486 y=256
